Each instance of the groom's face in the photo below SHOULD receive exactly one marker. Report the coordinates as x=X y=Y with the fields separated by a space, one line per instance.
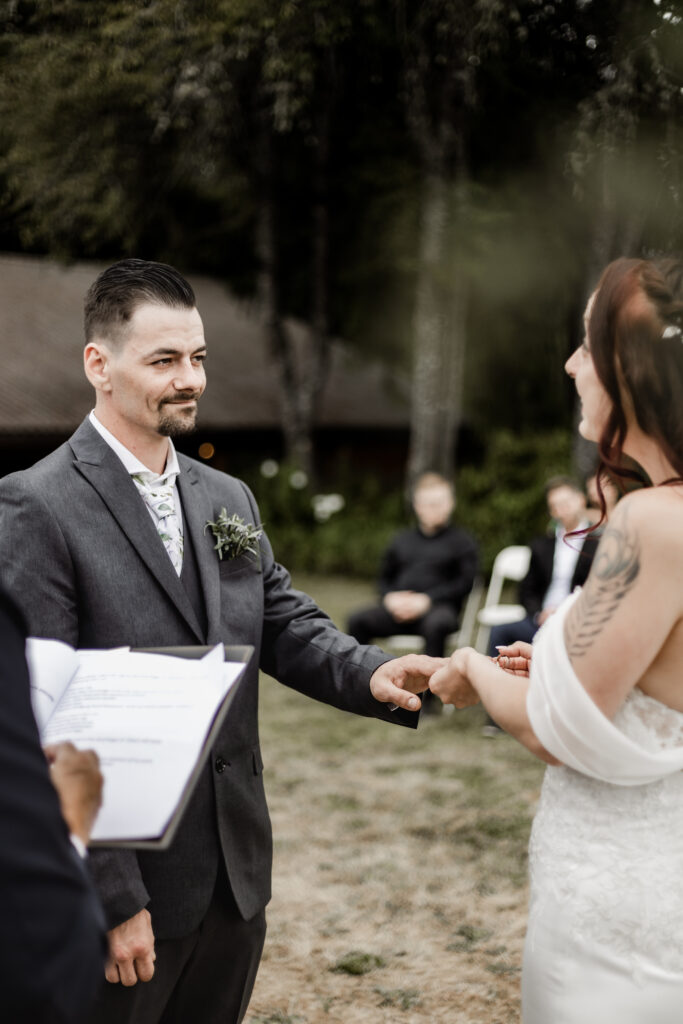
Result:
x=155 y=374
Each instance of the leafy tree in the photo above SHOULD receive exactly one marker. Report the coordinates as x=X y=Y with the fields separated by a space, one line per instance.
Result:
x=444 y=42
x=438 y=178
x=165 y=106
x=625 y=154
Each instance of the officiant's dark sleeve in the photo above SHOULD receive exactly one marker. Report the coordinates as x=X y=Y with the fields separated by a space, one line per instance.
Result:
x=52 y=941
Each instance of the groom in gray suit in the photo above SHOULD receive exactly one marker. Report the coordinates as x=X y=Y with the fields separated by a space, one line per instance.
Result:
x=104 y=543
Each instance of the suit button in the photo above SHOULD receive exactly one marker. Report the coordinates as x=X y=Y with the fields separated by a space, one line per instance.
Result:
x=221 y=765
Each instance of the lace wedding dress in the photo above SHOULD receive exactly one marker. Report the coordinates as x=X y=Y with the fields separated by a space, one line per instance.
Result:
x=605 y=936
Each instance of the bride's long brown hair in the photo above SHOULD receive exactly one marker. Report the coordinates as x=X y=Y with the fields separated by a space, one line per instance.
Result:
x=635 y=330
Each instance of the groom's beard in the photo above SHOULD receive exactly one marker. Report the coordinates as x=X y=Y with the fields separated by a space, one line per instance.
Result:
x=175 y=420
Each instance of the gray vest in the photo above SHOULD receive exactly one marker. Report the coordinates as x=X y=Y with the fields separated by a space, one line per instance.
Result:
x=189 y=577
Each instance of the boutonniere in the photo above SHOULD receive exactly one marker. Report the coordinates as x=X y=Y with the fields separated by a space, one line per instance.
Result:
x=233 y=536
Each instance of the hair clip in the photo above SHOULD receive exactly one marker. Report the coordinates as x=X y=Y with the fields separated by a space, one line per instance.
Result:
x=671 y=331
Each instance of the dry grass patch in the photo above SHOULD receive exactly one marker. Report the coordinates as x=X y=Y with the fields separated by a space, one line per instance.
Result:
x=400 y=864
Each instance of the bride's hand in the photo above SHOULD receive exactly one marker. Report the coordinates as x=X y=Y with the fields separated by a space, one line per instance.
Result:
x=451 y=683
x=515 y=659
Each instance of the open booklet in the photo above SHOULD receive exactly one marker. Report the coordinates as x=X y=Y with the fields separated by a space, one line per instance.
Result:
x=150 y=715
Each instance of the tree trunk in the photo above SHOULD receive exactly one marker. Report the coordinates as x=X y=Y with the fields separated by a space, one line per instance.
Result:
x=297 y=441
x=316 y=361
x=439 y=336
x=617 y=232
x=301 y=370
x=438 y=105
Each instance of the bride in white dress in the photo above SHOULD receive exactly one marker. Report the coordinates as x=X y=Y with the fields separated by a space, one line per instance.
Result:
x=600 y=695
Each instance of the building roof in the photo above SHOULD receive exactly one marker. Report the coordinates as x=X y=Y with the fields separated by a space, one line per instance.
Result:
x=44 y=389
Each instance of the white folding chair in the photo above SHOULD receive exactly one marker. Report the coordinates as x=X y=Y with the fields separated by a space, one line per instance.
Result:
x=463 y=636
x=512 y=563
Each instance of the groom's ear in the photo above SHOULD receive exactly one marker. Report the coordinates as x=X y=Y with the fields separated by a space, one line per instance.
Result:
x=96 y=363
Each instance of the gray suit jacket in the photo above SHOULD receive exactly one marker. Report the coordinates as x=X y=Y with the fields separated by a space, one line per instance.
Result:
x=81 y=555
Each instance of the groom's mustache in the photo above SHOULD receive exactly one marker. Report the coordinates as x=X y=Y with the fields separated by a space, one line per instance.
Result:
x=181 y=396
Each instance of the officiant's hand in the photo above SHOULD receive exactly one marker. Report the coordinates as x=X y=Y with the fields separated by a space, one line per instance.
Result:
x=76 y=776
x=515 y=659
x=451 y=683
x=131 y=951
x=397 y=682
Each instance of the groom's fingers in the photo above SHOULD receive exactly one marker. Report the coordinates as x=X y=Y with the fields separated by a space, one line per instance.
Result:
x=414 y=671
x=397 y=682
x=385 y=688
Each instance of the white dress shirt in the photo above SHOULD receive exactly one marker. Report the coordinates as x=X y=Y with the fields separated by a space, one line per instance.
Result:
x=564 y=563
x=133 y=465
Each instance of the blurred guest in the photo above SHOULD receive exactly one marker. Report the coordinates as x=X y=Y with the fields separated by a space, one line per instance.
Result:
x=426 y=573
x=52 y=929
x=556 y=567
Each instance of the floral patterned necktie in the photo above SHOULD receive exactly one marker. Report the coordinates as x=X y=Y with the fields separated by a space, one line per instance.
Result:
x=157 y=493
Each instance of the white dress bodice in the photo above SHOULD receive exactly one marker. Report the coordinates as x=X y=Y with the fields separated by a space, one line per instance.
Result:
x=604 y=941
x=610 y=857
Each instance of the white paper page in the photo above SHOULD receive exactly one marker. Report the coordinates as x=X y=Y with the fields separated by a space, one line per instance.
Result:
x=51 y=664
x=146 y=716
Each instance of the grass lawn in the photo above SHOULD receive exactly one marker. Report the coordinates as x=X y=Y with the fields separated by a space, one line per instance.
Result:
x=400 y=861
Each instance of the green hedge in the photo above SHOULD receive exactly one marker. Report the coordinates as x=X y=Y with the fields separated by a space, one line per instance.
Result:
x=500 y=501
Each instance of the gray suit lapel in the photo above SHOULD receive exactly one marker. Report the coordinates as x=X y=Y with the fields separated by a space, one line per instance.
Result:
x=197 y=510
x=103 y=469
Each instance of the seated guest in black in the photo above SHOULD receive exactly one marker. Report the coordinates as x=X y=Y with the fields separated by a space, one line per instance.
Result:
x=52 y=928
x=426 y=573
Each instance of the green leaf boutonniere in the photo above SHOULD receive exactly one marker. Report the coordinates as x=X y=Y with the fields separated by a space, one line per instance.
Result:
x=233 y=536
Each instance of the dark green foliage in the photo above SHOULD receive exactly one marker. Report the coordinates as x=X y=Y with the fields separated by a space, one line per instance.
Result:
x=162 y=128
x=500 y=501
x=350 y=542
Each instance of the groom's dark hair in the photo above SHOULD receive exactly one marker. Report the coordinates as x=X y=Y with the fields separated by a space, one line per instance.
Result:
x=114 y=296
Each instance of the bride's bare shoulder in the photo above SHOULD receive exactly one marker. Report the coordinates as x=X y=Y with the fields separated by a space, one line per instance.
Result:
x=653 y=516
x=668 y=498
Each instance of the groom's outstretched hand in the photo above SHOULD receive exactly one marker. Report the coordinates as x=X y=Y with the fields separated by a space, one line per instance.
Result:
x=398 y=681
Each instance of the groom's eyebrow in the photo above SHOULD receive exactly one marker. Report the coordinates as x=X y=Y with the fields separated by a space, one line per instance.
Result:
x=174 y=352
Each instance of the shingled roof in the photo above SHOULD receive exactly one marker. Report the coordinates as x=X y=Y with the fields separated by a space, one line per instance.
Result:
x=44 y=389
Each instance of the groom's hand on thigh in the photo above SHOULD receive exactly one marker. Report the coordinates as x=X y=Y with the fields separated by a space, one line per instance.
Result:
x=131 y=951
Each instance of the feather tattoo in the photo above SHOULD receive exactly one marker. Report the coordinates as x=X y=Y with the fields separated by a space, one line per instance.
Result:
x=613 y=573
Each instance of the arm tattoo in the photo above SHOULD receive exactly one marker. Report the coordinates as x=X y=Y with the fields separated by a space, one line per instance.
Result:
x=613 y=573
